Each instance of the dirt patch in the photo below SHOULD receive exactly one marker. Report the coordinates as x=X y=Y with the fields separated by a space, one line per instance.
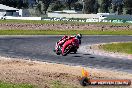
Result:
x=42 y=73
x=96 y=50
x=63 y=26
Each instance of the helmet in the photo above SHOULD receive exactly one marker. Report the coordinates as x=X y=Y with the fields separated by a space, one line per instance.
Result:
x=79 y=36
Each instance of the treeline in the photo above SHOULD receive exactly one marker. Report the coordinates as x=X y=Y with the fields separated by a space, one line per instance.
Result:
x=95 y=6
x=15 y=3
x=87 y=6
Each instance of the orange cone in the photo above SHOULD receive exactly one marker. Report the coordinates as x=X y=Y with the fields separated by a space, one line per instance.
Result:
x=85 y=73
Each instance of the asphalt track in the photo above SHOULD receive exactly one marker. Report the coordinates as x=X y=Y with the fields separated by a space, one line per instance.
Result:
x=41 y=48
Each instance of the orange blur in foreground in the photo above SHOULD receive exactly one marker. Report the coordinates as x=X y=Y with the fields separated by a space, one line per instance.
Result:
x=85 y=73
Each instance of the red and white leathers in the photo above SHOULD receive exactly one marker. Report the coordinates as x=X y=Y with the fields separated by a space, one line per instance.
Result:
x=64 y=39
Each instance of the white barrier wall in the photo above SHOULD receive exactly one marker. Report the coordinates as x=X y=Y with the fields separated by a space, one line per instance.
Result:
x=91 y=16
x=58 y=15
x=22 y=18
x=24 y=13
x=124 y=17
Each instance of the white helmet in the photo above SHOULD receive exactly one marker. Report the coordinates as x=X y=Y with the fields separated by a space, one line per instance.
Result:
x=79 y=36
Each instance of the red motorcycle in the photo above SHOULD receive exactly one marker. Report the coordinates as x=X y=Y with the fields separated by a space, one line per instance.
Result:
x=57 y=49
x=70 y=45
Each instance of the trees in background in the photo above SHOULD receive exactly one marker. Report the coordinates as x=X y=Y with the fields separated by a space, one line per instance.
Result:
x=96 y=7
x=128 y=6
x=57 y=6
x=104 y=7
x=46 y=4
x=90 y=6
x=78 y=6
x=38 y=9
x=15 y=3
x=117 y=6
x=69 y=3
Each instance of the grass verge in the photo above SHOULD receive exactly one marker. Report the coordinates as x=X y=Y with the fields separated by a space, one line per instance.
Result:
x=64 y=32
x=10 y=85
x=62 y=22
x=118 y=47
x=59 y=84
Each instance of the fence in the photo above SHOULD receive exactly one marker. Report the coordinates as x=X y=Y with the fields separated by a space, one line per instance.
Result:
x=21 y=18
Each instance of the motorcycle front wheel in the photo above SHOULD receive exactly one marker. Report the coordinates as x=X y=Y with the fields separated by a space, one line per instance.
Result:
x=67 y=50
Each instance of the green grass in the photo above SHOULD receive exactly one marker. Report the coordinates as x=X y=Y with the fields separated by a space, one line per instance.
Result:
x=36 y=22
x=10 y=85
x=62 y=22
x=27 y=21
x=118 y=47
x=59 y=84
x=64 y=32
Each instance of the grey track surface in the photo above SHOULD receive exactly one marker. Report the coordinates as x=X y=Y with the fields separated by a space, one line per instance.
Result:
x=41 y=48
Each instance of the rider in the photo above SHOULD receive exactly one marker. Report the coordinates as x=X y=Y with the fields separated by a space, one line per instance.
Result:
x=79 y=36
x=65 y=38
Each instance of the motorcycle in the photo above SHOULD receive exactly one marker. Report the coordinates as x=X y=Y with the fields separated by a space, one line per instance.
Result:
x=57 y=49
x=69 y=46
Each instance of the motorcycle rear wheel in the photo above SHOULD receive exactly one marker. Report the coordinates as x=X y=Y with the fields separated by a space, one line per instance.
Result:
x=75 y=51
x=57 y=53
